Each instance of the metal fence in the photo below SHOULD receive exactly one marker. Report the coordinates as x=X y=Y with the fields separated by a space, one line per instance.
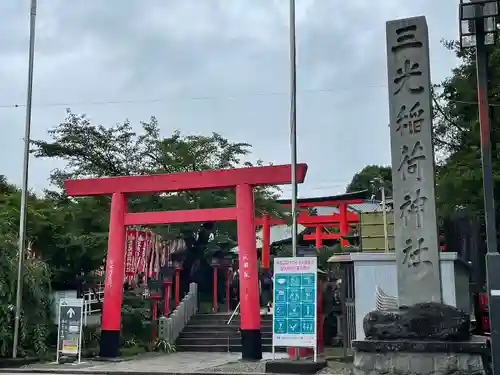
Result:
x=171 y=327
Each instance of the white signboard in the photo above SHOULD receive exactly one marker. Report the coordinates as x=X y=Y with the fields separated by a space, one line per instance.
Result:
x=70 y=328
x=295 y=302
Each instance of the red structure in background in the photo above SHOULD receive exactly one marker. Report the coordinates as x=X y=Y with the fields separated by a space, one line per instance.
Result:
x=243 y=179
x=223 y=265
x=341 y=220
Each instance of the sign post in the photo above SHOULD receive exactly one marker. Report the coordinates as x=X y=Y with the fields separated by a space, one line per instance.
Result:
x=295 y=300
x=70 y=328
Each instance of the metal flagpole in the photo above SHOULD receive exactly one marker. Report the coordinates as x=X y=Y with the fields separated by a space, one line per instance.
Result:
x=293 y=132
x=24 y=191
x=293 y=125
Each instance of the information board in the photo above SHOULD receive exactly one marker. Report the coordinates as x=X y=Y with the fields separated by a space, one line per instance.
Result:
x=295 y=300
x=69 y=337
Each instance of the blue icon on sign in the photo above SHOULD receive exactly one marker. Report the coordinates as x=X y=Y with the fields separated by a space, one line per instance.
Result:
x=294 y=310
x=293 y=295
x=280 y=295
x=280 y=326
x=293 y=326
x=295 y=280
x=308 y=310
x=308 y=279
x=280 y=310
x=281 y=282
x=307 y=326
x=307 y=294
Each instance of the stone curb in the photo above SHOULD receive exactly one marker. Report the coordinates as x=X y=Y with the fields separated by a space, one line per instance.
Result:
x=111 y=372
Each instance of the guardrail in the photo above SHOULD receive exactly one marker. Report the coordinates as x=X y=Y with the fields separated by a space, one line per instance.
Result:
x=91 y=299
x=171 y=327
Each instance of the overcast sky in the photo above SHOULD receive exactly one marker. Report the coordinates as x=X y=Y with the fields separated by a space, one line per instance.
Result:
x=215 y=65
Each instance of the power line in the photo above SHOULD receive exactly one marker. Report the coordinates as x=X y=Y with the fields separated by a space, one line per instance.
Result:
x=194 y=98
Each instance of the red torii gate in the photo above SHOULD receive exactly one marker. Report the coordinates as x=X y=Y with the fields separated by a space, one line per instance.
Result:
x=342 y=220
x=243 y=179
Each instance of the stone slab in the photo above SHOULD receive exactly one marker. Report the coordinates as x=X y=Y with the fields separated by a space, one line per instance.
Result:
x=290 y=366
x=477 y=345
x=410 y=363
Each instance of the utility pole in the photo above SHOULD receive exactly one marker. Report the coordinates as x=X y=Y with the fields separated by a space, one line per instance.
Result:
x=293 y=124
x=24 y=191
x=478 y=28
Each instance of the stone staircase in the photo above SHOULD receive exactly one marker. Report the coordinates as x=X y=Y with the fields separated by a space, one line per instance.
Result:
x=211 y=333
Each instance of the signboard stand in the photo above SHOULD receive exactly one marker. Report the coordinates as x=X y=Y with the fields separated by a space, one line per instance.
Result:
x=70 y=328
x=295 y=303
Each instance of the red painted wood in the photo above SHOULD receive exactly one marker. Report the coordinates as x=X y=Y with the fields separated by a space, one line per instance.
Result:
x=320 y=219
x=324 y=236
x=215 y=179
x=181 y=216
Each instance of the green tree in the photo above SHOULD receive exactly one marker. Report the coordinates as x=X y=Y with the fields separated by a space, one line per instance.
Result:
x=36 y=308
x=365 y=178
x=459 y=177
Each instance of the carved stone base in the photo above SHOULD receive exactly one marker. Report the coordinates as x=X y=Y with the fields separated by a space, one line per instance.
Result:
x=422 y=321
x=410 y=357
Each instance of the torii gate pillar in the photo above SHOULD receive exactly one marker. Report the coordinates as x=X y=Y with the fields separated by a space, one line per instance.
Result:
x=249 y=277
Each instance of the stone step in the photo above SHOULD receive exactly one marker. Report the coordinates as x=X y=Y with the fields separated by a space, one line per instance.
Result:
x=223 y=348
x=203 y=340
x=220 y=328
x=223 y=318
x=225 y=334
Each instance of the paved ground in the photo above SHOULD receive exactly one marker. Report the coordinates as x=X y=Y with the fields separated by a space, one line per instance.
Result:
x=152 y=363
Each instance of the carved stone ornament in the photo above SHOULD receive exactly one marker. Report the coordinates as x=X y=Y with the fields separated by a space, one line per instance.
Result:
x=423 y=321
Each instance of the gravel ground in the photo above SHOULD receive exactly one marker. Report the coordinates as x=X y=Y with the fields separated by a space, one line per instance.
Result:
x=334 y=368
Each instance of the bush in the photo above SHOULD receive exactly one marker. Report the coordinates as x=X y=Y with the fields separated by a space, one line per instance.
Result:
x=36 y=310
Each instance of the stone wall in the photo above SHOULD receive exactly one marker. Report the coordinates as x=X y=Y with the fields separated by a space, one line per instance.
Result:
x=411 y=363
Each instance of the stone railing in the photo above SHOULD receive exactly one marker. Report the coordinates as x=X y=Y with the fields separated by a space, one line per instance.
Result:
x=171 y=327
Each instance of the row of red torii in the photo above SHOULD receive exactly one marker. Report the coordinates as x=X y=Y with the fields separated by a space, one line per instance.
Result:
x=243 y=180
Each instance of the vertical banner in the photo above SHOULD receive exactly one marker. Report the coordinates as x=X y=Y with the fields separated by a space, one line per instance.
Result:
x=130 y=268
x=149 y=252
x=163 y=253
x=141 y=250
x=156 y=268
x=295 y=300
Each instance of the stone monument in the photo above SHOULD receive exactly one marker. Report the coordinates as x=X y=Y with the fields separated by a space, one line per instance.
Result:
x=422 y=336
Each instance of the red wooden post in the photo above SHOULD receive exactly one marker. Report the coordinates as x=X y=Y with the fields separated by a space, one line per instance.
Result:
x=115 y=273
x=319 y=240
x=177 y=285
x=215 y=273
x=344 y=224
x=249 y=279
x=266 y=238
x=228 y=291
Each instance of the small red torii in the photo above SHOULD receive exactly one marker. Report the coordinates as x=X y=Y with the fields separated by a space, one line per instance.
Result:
x=242 y=179
x=342 y=220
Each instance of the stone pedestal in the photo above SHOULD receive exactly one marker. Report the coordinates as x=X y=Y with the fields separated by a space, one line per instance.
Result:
x=411 y=357
x=423 y=339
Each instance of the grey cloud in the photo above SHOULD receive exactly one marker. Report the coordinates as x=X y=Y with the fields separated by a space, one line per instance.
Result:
x=233 y=50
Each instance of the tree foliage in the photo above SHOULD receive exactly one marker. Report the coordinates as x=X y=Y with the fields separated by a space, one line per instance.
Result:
x=370 y=178
x=36 y=307
x=459 y=183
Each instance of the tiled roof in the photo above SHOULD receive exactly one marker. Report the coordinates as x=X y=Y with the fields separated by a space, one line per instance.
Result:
x=278 y=233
